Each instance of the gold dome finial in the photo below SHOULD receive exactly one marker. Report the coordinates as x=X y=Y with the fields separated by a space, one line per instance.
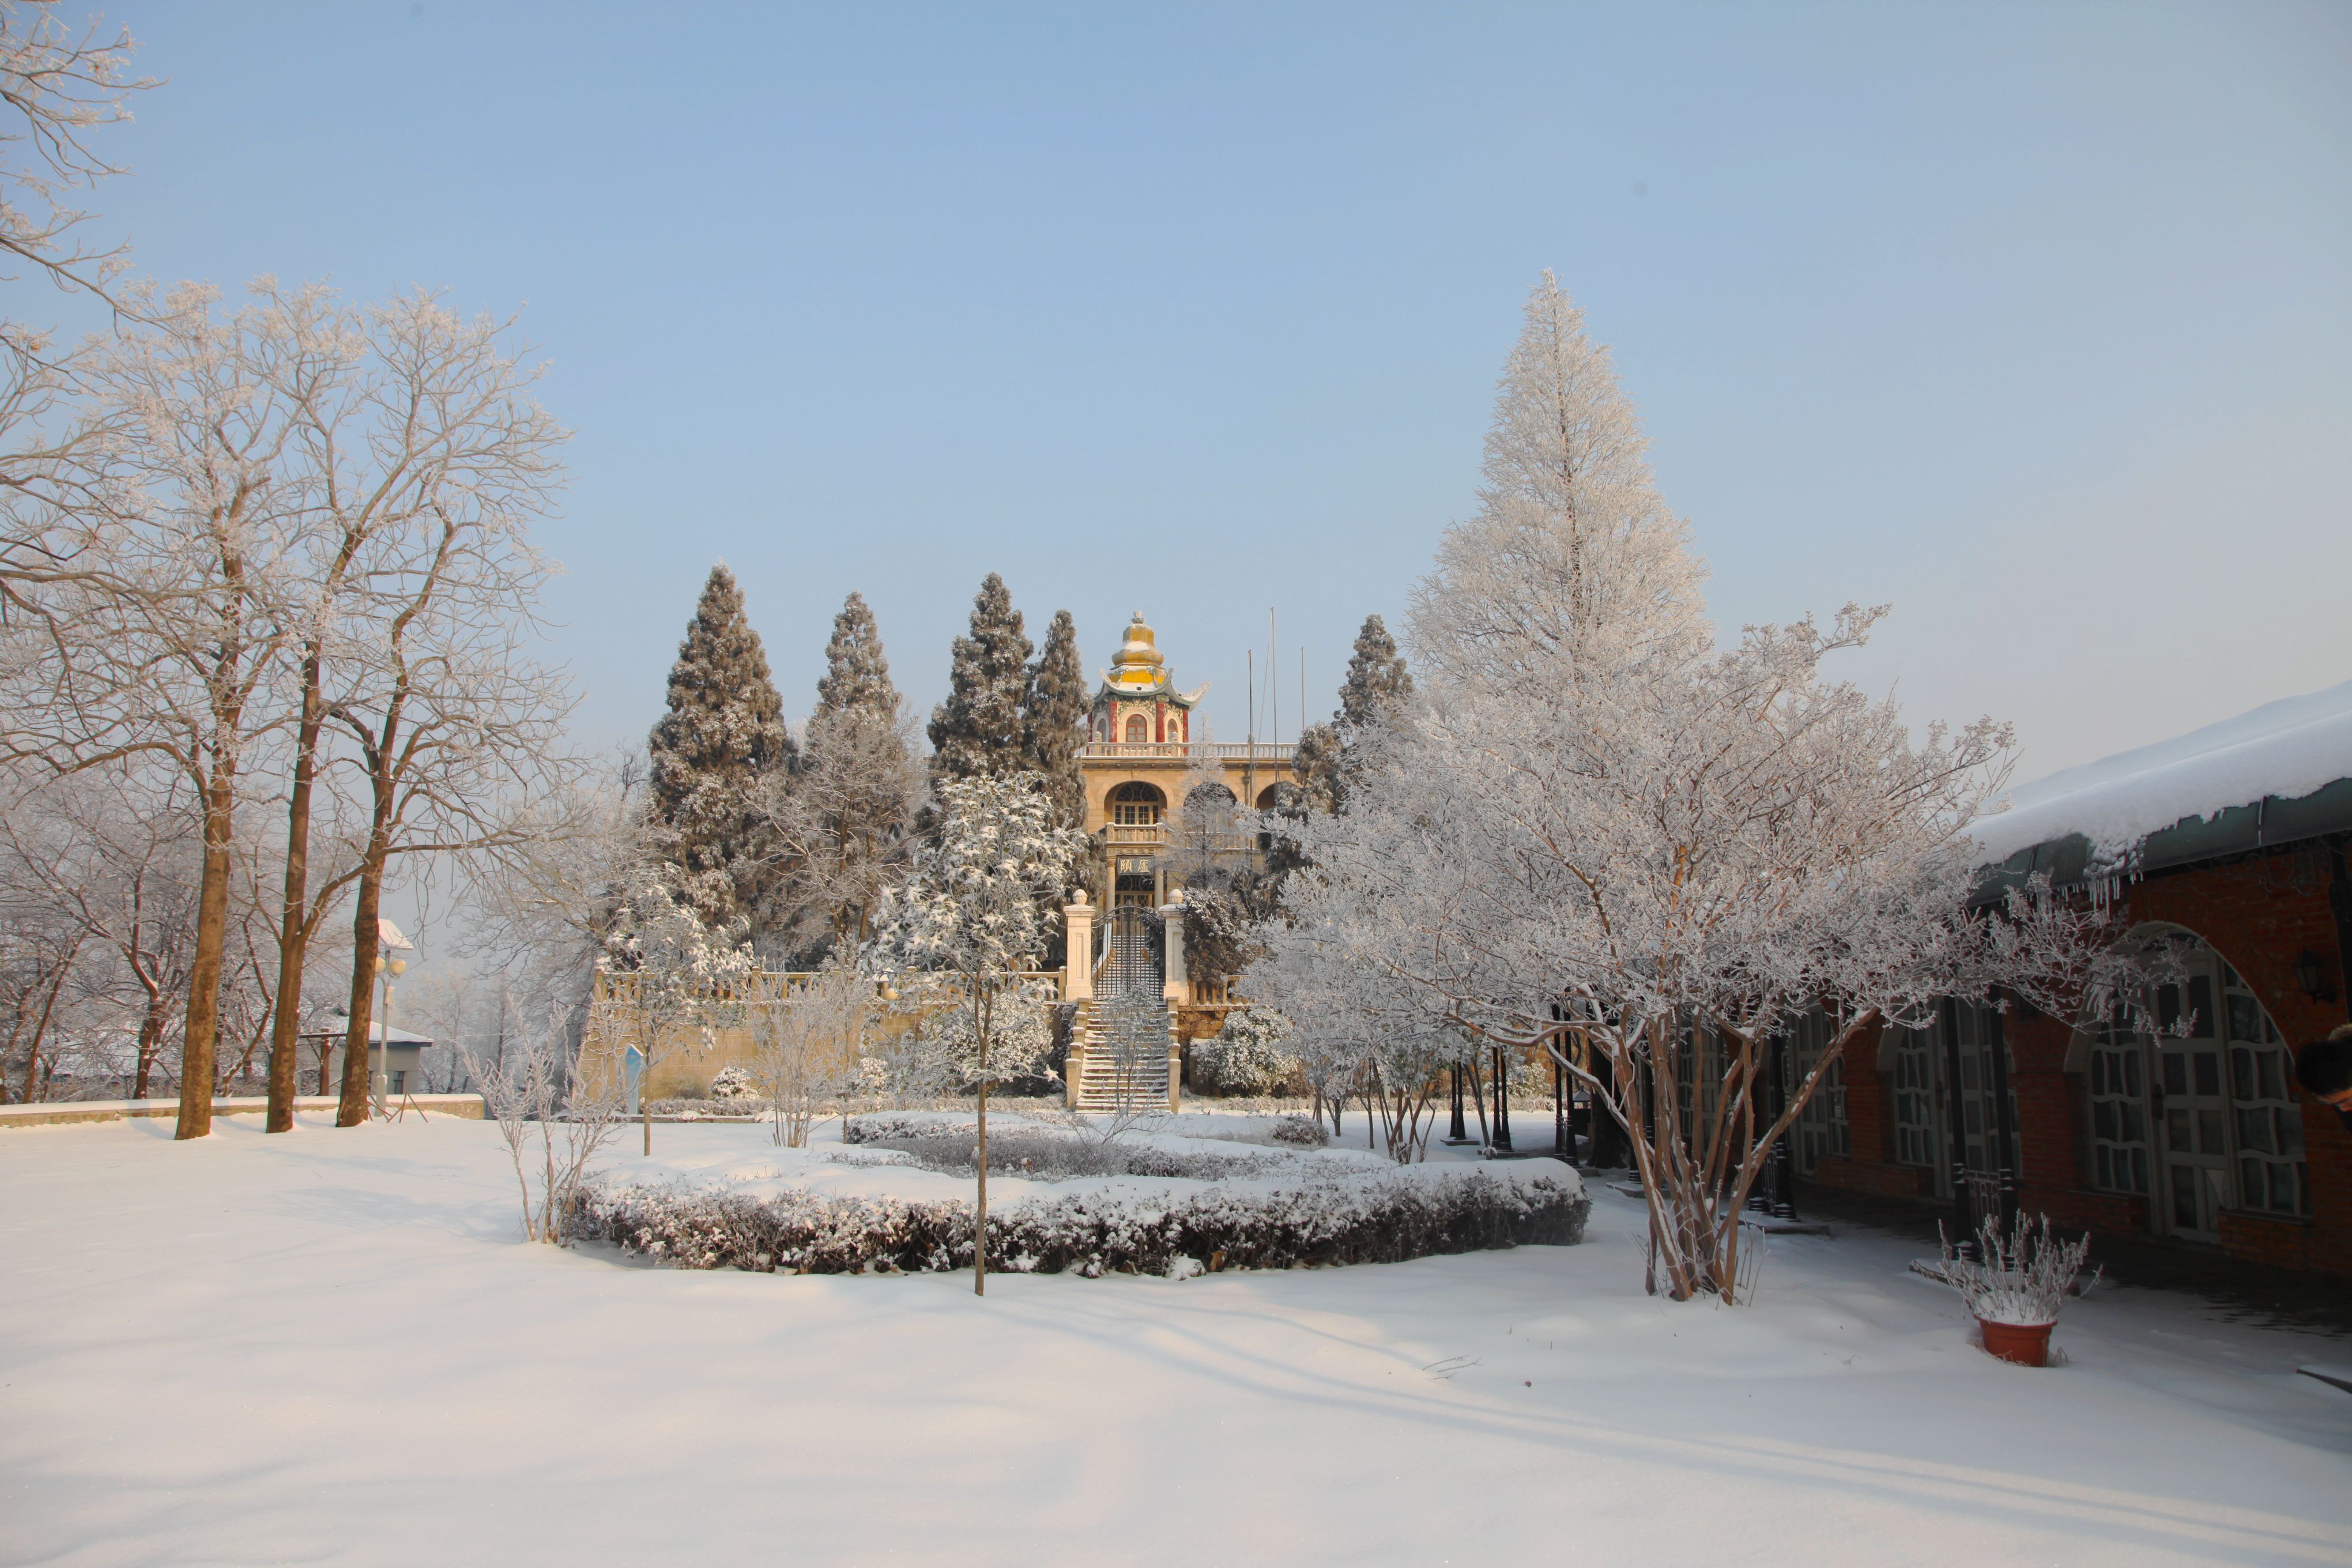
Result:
x=1138 y=661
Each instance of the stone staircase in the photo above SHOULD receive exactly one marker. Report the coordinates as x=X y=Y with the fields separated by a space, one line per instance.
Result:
x=1105 y=1076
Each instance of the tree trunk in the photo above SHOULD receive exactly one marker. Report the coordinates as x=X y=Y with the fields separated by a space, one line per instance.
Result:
x=979 y=1223
x=293 y=926
x=980 y=1220
x=366 y=947
x=150 y=1040
x=199 y=1041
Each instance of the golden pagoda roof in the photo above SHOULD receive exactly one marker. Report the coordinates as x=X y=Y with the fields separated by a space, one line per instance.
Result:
x=1140 y=669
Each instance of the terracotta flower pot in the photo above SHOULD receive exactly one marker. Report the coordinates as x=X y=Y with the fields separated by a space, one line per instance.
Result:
x=2027 y=1344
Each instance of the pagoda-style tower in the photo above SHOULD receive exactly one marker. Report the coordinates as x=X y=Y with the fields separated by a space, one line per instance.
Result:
x=1139 y=704
x=1140 y=748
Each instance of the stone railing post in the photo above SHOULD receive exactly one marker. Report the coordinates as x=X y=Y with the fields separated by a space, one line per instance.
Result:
x=1178 y=987
x=1077 y=948
x=1178 y=990
x=1077 y=986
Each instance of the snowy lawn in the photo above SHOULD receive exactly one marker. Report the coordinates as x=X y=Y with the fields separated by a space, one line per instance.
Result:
x=326 y=1347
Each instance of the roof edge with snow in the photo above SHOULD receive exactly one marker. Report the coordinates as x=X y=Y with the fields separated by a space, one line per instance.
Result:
x=2276 y=775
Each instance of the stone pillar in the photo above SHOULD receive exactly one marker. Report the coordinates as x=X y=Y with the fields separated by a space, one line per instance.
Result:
x=1078 y=986
x=1077 y=948
x=1178 y=987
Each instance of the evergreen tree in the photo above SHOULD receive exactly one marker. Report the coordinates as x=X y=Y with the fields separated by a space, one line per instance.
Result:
x=1316 y=763
x=977 y=731
x=724 y=734
x=855 y=673
x=1377 y=682
x=1054 y=721
x=840 y=825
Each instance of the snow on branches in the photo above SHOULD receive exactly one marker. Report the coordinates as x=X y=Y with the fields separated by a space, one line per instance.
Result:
x=1597 y=832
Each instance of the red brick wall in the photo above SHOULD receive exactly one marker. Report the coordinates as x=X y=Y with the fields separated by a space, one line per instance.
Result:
x=1869 y=1101
x=1884 y=1178
x=2251 y=912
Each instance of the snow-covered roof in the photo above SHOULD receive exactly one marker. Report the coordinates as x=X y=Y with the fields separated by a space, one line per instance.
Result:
x=2281 y=752
x=338 y=1022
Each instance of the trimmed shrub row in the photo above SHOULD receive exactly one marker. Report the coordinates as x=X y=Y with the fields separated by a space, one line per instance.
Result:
x=1387 y=1218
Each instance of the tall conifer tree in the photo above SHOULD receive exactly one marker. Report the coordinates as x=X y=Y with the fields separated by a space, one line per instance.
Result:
x=855 y=673
x=977 y=731
x=723 y=734
x=1053 y=721
x=1377 y=685
x=1376 y=681
x=841 y=826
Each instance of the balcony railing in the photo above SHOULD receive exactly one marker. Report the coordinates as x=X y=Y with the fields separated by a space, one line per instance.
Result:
x=1180 y=751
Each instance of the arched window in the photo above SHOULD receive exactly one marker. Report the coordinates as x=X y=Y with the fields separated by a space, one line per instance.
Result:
x=1136 y=805
x=1139 y=728
x=1176 y=726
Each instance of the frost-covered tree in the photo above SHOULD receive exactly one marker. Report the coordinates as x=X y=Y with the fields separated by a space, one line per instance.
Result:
x=535 y=1092
x=975 y=909
x=1250 y=1055
x=56 y=88
x=840 y=828
x=808 y=1048
x=978 y=732
x=671 y=981
x=722 y=735
x=1681 y=851
x=1054 y=721
x=1567 y=503
x=162 y=641
x=1020 y=1041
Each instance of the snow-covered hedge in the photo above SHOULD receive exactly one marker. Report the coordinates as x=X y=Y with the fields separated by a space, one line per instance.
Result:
x=1046 y=1155
x=1384 y=1218
x=1248 y=1057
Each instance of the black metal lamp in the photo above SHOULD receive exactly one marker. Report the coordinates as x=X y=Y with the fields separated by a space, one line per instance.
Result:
x=2310 y=973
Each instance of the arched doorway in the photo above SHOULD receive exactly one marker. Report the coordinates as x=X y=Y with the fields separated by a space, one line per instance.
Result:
x=2199 y=1116
x=1136 y=803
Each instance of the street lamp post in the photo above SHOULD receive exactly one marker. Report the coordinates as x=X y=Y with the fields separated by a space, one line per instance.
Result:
x=388 y=941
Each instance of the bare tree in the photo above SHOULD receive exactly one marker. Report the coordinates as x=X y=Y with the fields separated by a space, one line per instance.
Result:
x=115 y=853
x=539 y=907
x=537 y=1094
x=38 y=952
x=161 y=641
x=425 y=458
x=56 y=88
x=842 y=825
x=808 y=1047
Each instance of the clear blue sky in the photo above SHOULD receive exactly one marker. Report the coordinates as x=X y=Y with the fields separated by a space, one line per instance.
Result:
x=2034 y=319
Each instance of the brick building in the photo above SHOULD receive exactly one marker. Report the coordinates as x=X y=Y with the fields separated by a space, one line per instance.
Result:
x=2232 y=842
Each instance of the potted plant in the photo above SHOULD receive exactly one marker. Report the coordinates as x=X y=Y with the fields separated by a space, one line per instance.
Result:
x=2015 y=1285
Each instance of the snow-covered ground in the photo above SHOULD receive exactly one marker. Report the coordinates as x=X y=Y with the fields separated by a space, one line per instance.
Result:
x=328 y=1347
